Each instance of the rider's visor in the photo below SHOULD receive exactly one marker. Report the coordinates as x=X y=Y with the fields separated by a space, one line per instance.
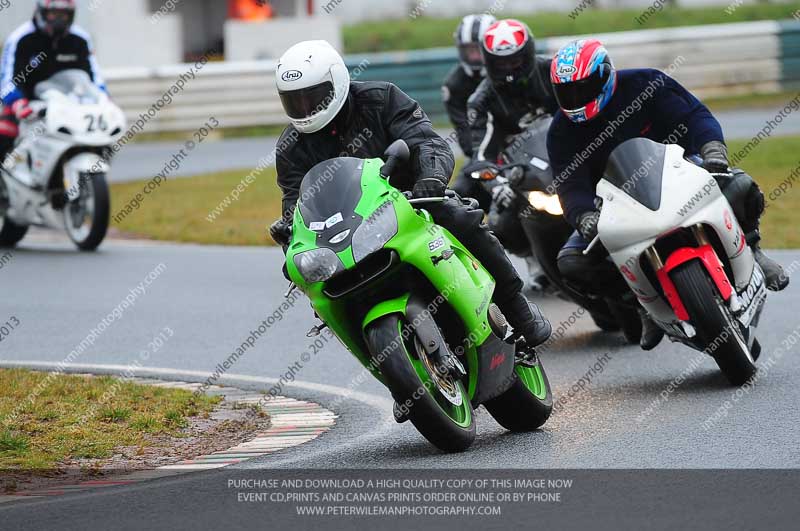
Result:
x=306 y=102
x=470 y=53
x=58 y=19
x=578 y=94
x=510 y=69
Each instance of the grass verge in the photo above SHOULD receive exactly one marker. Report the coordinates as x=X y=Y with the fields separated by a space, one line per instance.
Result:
x=75 y=418
x=424 y=32
x=178 y=210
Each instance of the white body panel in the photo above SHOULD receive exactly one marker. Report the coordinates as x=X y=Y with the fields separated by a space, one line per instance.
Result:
x=689 y=196
x=43 y=142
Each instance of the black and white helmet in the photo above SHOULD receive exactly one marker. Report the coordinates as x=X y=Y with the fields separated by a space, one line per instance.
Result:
x=469 y=36
x=54 y=17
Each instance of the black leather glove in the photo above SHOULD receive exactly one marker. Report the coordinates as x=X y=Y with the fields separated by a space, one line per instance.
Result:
x=515 y=175
x=715 y=157
x=281 y=232
x=428 y=187
x=587 y=225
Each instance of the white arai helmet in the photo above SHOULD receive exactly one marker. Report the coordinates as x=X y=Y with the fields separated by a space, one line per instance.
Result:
x=313 y=83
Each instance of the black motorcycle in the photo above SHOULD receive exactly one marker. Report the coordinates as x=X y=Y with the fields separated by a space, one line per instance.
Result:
x=530 y=222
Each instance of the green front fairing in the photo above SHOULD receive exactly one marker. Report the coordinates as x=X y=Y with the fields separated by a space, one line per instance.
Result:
x=461 y=280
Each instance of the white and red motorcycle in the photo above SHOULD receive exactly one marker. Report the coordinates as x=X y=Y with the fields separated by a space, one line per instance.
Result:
x=56 y=174
x=675 y=239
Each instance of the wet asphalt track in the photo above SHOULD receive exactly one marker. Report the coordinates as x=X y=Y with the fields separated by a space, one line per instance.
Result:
x=212 y=297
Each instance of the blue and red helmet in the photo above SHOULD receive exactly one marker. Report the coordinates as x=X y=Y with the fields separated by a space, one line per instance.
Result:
x=584 y=79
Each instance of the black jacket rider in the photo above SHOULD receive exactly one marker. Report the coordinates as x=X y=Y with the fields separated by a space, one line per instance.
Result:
x=457 y=88
x=30 y=56
x=375 y=115
x=494 y=111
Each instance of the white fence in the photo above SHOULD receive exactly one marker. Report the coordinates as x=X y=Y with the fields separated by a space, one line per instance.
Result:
x=711 y=60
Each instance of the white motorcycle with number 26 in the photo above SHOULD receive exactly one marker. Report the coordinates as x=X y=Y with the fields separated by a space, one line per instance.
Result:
x=56 y=174
x=674 y=237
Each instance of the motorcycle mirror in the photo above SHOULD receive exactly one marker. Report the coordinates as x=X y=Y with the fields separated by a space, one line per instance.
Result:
x=396 y=152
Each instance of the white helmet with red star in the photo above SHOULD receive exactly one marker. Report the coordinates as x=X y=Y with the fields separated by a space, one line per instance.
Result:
x=509 y=52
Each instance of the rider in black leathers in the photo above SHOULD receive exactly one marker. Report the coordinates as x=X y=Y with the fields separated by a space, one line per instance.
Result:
x=517 y=84
x=459 y=85
x=371 y=117
x=517 y=87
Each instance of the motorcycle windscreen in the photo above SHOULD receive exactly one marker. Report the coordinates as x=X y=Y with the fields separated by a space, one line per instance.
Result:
x=73 y=81
x=330 y=192
x=637 y=168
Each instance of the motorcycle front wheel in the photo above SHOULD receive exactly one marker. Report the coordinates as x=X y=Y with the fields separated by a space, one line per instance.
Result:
x=86 y=218
x=438 y=406
x=719 y=332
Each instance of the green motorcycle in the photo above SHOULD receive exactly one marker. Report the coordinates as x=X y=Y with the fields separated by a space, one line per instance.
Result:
x=410 y=302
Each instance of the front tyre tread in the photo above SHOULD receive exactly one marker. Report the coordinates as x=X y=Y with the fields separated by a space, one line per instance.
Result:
x=390 y=352
x=702 y=301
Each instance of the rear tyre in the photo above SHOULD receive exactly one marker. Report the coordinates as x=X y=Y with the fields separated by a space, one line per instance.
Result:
x=10 y=232
x=718 y=331
x=439 y=409
x=86 y=219
x=527 y=404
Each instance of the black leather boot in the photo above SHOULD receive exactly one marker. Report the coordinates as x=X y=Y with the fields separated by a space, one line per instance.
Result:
x=775 y=276
x=526 y=319
x=651 y=333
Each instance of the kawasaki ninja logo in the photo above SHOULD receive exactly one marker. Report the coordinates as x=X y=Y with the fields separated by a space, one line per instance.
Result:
x=291 y=75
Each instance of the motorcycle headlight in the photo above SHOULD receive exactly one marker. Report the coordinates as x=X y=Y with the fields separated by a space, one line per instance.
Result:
x=318 y=265
x=546 y=202
x=375 y=231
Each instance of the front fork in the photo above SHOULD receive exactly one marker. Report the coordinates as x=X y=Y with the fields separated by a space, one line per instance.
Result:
x=707 y=256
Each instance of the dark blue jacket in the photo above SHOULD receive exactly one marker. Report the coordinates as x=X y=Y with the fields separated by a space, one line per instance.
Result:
x=647 y=103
